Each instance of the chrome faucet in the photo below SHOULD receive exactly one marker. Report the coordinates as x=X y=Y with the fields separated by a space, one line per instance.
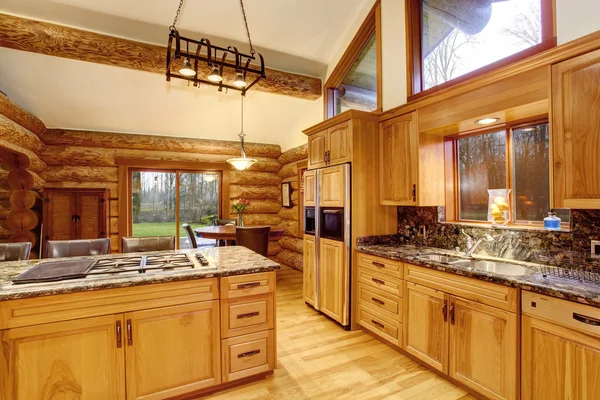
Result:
x=472 y=245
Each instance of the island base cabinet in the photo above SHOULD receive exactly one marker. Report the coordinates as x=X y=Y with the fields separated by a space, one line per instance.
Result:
x=558 y=363
x=248 y=355
x=171 y=351
x=80 y=359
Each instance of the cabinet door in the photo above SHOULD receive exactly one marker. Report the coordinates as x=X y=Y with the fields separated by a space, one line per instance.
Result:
x=483 y=348
x=333 y=280
x=398 y=162
x=317 y=146
x=172 y=350
x=80 y=359
x=91 y=208
x=309 y=275
x=310 y=185
x=340 y=144
x=426 y=325
x=558 y=363
x=59 y=209
x=332 y=187
x=576 y=131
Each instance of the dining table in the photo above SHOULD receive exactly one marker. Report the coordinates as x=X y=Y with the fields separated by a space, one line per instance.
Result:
x=227 y=232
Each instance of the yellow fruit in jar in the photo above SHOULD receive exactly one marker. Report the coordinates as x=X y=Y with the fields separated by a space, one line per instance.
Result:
x=497 y=214
x=499 y=199
x=499 y=220
x=494 y=207
x=503 y=206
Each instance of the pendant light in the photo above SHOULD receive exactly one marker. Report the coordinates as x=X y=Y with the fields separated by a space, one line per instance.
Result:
x=242 y=163
x=215 y=75
x=187 y=69
x=239 y=80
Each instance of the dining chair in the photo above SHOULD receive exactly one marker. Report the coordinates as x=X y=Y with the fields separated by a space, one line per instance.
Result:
x=224 y=222
x=148 y=243
x=77 y=248
x=254 y=238
x=190 y=235
x=15 y=251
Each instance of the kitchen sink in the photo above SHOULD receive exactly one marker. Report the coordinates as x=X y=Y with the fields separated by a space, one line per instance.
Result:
x=440 y=258
x=495 y=267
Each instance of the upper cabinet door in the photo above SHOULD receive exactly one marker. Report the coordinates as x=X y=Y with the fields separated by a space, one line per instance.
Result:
x=398 y=162
x=59 y=211
x=317 y=147
x=340 y=144
x=576 y=131
x=310 y=185
x=91 y=208
x=332 y=187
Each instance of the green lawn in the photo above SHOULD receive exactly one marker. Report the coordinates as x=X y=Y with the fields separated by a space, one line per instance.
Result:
x=159 y=229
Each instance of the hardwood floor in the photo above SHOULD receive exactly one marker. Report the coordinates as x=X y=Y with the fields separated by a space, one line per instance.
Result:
x=319 y=360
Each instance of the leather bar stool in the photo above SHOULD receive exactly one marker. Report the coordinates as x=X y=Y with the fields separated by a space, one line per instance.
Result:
x=254 y=238
x=15 y=251
x=77 y=248
x=190 y=235
x=147 y=243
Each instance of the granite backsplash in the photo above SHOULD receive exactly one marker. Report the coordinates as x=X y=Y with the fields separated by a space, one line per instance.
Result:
x=533 y=245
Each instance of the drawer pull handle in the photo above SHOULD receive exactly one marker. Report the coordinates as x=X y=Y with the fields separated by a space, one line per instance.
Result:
x=379 y=324
x=248 y=285
x=452 y=313
x=129 y=333
x=248 y=353
x=119 y=335
x=377 y=301
x=378 y=281
x=248 y=315
x=445 y=310
x=378 y=264
x=586 y=320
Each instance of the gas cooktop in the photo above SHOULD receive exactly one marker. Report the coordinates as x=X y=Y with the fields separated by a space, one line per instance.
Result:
x=50 y=271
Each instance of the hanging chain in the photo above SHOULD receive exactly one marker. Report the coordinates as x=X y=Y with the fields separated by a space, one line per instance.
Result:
x=252 y=51
x=242 y=134
x=172 y=27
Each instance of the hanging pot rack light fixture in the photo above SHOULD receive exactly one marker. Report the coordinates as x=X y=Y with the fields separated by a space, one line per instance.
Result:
x=240 y=70
x=242 y=163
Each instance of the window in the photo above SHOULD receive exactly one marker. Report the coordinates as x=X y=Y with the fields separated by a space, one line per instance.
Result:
x=449 y=39
x=515 y=158
x=355 y=83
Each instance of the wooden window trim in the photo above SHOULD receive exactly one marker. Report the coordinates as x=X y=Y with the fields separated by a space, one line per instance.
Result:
x=371 y=24
x=413 y=50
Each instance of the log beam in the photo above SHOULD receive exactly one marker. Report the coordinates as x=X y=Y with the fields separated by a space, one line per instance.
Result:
x=15 y=133
x=13 y=111
x=294 y=155
x=80 y=174
x=254 y=178
x=61 y=41
x=15 y=156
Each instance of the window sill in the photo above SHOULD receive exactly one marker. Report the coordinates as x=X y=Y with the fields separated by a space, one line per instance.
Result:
x=512 y=227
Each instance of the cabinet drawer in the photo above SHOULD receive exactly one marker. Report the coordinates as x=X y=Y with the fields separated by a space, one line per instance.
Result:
x=382 y=326
x=246 y=315
x=247 y=355
x=380 y=301
x=383 y=282
x=383 y=265
x=247 y=285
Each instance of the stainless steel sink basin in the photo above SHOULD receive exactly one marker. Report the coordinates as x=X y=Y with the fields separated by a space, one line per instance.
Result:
x=440 y=258
x=495 y=267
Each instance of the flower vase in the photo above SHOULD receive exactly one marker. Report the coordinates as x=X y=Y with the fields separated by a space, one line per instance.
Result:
x=240 y=218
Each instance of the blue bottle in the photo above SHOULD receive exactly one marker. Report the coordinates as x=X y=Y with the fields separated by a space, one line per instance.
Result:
x=552 y=222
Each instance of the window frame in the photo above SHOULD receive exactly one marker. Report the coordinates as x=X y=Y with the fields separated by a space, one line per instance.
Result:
x=452 y=175
x=414 y=63
x=371 y=25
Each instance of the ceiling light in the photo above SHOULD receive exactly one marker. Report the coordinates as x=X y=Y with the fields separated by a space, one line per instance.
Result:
x=530 y=129
x=187 y=69
x=215 y=75
x=486 y=121
x=239 y=80
x=242 y=163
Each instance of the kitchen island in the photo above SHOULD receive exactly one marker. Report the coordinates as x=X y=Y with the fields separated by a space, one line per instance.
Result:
x=142 y=333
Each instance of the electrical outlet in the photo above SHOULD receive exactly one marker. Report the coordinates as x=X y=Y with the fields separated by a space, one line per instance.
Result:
x=595 y=247
x=423 y=231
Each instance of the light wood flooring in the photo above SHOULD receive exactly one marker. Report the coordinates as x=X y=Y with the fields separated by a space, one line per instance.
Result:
x=317 y=359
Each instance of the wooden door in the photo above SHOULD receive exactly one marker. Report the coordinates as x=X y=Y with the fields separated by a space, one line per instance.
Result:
x=172 y=350
x=80 y=359
x=310 y=186
x=576 y=131
x=317 y=146
x=91 y=208
x=558 y=363
x=426 y=325
x=59 y=209
x=340 y=144
x=309 y=273
x=484 y=348
x=333 y=280
x=332 y=187
x=398 y=162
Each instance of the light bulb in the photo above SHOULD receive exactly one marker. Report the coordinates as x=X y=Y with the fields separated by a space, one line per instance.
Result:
x=187 y=69
x=239 y=80
x=241 y=163
x=215 y=76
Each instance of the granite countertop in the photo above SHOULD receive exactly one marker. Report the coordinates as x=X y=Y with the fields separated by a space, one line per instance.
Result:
x=585 y=293
x=225 y=261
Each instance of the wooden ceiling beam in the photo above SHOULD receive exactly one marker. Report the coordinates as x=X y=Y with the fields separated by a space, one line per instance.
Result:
x=61 y=41
x=13 y=111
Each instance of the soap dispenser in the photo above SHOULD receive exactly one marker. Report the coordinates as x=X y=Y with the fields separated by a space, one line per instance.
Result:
x=552 y=222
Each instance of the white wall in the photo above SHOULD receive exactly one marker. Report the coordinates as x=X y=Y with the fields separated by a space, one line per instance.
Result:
x=576 y=18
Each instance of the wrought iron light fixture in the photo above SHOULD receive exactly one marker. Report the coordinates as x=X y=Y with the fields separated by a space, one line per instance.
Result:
x=225 y=64
x=242 y=163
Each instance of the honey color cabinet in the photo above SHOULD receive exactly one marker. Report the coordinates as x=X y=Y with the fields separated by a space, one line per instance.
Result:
x=576 y=131
x=309 y=188
x=332 y=187
x=411 y=165
x=317 y=150
x=309 y=273
x=331 y=146
x=333 y=280
x=81 y=359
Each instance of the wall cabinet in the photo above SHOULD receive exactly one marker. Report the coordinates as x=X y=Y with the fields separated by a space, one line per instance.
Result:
x=331 y=146
x=317 y=150
x=309 y=188
x=332 y=187
x=309 y=271
x=411 y=165
x=333 y=280
x=576 y=131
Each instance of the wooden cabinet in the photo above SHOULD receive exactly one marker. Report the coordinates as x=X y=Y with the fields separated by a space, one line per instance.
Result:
x=331 y=146
x=332 y=187
x=426 y=326
x=81 y=359
x=247 y=315
x=172 y=350
x=310 y=186
x=576 y=131
x=309 y=273
x=411 y=165
x=248 y=355
x=483 y=348
x=333 y=280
